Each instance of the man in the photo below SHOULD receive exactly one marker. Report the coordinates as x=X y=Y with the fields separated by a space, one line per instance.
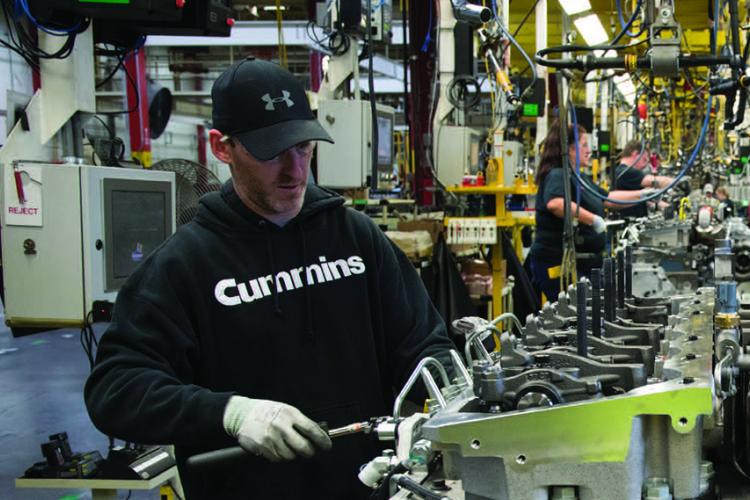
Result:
x=275 y=309
x=631 y=175
x=706 y=197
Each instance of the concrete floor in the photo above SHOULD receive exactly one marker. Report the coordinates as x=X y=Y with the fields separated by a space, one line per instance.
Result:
x=41 y=393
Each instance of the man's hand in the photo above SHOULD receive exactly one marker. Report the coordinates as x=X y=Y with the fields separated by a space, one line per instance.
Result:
x=598 y=224
x=648 y=192
x=277 y=431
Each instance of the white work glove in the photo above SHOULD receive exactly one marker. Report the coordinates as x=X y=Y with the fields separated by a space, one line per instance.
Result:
x=598 y=224
x=277 y=431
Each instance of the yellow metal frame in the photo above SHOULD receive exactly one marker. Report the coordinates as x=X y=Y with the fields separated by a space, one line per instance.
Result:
x=505 y=221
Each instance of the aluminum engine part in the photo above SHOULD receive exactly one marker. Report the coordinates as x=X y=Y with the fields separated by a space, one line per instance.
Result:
x=606 y=447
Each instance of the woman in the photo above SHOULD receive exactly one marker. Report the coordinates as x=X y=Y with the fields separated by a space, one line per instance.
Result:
x=547 y=250
x=726 y=206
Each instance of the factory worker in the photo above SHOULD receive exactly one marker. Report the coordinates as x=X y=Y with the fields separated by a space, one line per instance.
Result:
x=547 y=249
x=633 y=174
x=274 y=310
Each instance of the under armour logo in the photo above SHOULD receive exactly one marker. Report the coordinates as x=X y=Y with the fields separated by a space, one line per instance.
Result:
x=271 y=101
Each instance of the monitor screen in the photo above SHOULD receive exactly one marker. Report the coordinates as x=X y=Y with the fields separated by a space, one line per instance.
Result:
x=137 y=220
x=474 y=155
x=385 y=139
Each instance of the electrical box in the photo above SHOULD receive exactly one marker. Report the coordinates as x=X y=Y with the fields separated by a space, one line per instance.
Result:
x=603 y=144
x=512 y=161
x=380 y=19
x=348 y=162
x=71 y=235
x=457 y=153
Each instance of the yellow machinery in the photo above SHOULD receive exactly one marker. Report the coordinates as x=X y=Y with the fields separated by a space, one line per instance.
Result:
x=505 y=221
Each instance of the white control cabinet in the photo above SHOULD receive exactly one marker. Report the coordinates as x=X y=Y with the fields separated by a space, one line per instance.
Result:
x=457 y=153
x=345 y=163
x=348 y=162
x=70 y=234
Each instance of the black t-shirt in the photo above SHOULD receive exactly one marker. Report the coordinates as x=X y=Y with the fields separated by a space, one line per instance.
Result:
x=729 y=209
x=630 y=179
x=549 y=228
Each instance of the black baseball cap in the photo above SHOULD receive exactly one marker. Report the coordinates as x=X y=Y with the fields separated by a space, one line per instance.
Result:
x=264 y=107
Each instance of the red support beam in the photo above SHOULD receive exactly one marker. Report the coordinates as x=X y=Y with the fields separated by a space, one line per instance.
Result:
x=316 y=70
x=202 y=153
x=140 y=130
x=422 y=68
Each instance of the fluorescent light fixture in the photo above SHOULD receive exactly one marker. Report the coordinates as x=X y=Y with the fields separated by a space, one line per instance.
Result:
x=591 y=29
x=625 y=86
x=272 y=8
x=601 y=53
x=575 y=6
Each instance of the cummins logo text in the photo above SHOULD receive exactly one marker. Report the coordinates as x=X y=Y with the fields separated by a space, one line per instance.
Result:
x=231 y=292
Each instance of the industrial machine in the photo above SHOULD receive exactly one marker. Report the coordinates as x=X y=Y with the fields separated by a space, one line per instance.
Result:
x=348 y=163
x=621 y=389
x=72 y=234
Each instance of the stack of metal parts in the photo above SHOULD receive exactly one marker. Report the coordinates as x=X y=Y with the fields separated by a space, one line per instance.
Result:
x=605 y=393
x=665 y=243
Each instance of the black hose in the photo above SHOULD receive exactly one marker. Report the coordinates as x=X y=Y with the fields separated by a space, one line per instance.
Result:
x=373 y=105
x=409 y=484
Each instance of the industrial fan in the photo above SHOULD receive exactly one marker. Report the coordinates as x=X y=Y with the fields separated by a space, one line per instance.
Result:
x=192 y=180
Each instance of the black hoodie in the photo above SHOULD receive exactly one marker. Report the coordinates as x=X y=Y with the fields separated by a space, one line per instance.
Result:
x=324 y=314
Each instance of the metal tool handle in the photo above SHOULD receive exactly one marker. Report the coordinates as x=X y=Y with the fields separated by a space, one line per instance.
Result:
x=217 y=458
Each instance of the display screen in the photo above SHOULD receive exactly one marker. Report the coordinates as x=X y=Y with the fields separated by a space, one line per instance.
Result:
x=138 y=217
x=385 y=140
x=474 y=156
x=530 y=109
x=138 y=227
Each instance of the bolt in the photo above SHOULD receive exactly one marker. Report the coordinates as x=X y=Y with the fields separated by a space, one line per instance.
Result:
x=658 y=492
x=439 y=485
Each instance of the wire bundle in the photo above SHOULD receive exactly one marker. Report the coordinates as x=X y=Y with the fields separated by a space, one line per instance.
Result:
x=23 y=40
x=336 y=42
x=88 y=339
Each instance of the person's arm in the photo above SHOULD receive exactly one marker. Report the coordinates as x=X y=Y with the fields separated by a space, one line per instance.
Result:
x=622 y=195
x=656 y=181
x=557 y=207
x=141 y=388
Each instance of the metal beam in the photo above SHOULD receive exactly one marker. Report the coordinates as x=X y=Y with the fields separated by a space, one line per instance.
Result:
x=383 y=85
x=256 y=34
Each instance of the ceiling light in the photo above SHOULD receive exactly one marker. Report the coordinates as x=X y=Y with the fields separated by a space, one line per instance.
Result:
x=600 y=53
x=591 y=29
x=625 y=85
x=575 y=6
x=272 y=8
